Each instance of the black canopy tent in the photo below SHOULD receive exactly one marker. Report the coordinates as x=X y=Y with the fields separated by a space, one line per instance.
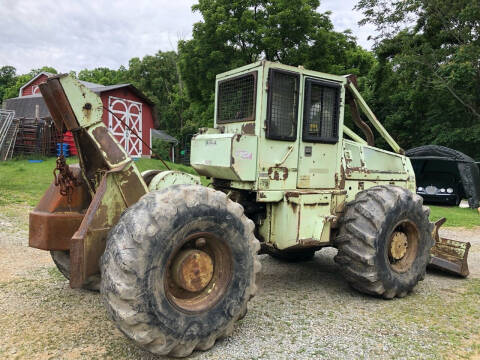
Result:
x=449 y=160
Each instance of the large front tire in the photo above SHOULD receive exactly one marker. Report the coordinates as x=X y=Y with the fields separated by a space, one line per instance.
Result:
x=384 y=241
x=179 y=268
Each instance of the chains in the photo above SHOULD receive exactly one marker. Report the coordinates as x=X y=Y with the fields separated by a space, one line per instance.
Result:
x=65 y=178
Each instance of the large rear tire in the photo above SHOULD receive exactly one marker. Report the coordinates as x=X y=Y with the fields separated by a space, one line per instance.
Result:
x=179 y=268
x=384 y=241
x=62 y=261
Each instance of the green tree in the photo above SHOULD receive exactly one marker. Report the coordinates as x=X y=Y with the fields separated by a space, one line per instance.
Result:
x=157 y=77
x=7 y=79
x=104 y=76
x=427 y=81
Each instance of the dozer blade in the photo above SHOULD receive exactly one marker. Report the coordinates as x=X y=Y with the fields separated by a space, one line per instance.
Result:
x=449 y=255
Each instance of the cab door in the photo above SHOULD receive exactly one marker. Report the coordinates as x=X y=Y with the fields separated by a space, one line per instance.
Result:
x=278 y=147
x=319 y=151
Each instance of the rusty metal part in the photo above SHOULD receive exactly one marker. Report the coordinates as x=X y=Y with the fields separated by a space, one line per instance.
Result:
x=107 y=142
x=58 y=104
x=449 y=255
x=192 y=270
x=197 y=279
x=119 y=188
x=248 y=128
x=398 y=245
x=64 y=178
x=350 y=99
x=277 y=173
x=402 y=246
x=52 y=231
x=55 y=219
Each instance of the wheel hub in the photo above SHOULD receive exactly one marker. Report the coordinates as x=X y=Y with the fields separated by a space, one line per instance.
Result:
x=192 y=270
x=398 y=245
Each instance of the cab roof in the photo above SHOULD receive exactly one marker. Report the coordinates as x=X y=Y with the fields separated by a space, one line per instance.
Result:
x=277 y=65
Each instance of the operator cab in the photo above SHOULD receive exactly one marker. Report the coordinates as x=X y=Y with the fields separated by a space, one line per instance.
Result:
x=276 y=127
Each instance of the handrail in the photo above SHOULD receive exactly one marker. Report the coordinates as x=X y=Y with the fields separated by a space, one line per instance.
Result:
x=353 y=135
x=290 y=148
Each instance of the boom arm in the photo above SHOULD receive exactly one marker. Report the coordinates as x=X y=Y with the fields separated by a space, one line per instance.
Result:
x=108 y=174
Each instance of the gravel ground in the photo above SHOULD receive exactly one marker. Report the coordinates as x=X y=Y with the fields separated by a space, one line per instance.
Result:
x=302 y=311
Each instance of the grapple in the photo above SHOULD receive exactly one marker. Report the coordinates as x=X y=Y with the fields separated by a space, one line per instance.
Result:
x=449 y=255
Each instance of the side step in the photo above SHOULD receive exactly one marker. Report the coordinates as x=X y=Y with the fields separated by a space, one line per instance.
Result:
x=449 y=255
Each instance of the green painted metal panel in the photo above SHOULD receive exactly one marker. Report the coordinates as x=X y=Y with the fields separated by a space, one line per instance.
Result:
x=225 y=156
x=78 y=95
x=379 y=161
x=301 y=219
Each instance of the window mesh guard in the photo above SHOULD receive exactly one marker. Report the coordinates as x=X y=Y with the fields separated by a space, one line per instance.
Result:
x=236 y=99
x=283 y=106
x=321 y=113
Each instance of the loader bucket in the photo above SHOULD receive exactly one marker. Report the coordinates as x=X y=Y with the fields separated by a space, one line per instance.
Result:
x=449 y=255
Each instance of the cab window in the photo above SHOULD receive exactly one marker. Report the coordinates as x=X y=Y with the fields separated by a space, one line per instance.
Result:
x=321 y=112
x=282 y=105
x=236 y=99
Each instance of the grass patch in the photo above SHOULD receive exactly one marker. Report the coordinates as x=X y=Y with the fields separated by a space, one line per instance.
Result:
x=23 y=182
x=455 y=216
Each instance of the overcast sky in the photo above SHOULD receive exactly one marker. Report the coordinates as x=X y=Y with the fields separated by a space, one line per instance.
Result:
x=73 y=34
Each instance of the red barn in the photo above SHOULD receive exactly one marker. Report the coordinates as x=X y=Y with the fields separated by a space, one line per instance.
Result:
x=31 y=87
x=123 y=100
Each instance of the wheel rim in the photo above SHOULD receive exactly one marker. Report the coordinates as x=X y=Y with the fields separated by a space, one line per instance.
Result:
x=402 y=246
x=198 y=272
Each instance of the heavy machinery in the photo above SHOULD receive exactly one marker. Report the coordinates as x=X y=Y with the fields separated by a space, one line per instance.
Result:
x=176 y=261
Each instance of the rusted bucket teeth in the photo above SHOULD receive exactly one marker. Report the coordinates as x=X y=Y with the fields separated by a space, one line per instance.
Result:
x=449 y=255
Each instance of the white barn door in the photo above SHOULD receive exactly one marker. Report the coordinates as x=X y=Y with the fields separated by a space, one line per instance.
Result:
x=130 y=112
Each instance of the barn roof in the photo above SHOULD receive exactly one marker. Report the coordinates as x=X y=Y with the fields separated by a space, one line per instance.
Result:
x=88 y=84
x=103 y=88
x=24 y=106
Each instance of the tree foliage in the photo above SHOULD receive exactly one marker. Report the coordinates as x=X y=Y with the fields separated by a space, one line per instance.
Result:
x=104 y=76
x=10 y=82
x=7 y=79
x=427 y=80
x=235 y=33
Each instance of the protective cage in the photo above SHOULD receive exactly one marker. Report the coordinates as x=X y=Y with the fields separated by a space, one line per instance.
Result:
x=321 y=111
x=236 y=99
x=282 y=105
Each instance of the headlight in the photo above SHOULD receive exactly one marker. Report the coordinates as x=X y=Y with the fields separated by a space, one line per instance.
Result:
x=420 y=188
x=442 y=190
x=450 y=190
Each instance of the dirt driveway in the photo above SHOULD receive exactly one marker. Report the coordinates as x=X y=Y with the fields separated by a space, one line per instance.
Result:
x=302 y=311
